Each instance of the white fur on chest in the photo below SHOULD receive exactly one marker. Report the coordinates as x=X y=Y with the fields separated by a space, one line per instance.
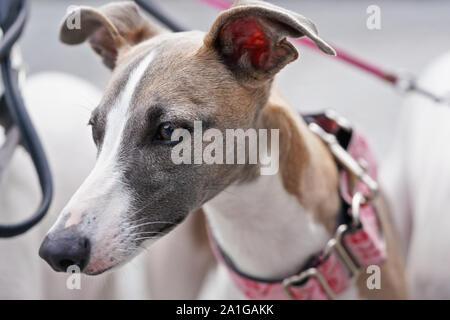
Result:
x=263 y=229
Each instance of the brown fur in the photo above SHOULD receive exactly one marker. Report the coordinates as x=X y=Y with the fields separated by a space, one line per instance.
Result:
x=307 y=168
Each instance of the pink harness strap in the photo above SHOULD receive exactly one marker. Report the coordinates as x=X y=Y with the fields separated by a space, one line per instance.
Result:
x=353 y=248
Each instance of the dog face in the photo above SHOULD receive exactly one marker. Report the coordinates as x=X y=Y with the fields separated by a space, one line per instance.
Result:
x=160 y=83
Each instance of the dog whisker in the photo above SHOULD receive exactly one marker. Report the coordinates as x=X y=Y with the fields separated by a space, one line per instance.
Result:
x=141 y=209
x=146 y=232
x=148 y=223
x=146 y=238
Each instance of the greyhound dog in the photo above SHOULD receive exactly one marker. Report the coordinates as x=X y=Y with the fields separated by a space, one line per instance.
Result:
x=161 y=83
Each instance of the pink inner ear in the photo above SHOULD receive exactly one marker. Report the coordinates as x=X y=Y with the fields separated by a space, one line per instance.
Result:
x=247 y=36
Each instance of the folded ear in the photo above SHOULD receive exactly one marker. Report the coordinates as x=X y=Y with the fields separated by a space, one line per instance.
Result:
x=109 y=29
x=250 y=37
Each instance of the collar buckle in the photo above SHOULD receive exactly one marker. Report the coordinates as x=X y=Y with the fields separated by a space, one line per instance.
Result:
x=344 y=256
x=306 y=275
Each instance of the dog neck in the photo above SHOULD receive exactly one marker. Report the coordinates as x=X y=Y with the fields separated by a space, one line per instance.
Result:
x=270 y=226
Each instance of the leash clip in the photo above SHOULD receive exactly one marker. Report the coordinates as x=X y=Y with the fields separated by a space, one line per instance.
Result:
x=406 y=83
x=345 y=159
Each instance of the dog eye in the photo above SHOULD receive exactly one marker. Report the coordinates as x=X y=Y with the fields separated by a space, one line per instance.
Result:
x=91 y=122
x=96 y=133
x=165 y=131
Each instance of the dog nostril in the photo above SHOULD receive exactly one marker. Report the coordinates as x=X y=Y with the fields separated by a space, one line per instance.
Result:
x=64 y=264
x=86 y=243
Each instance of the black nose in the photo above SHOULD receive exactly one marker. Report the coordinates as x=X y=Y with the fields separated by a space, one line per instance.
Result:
x=62 y=251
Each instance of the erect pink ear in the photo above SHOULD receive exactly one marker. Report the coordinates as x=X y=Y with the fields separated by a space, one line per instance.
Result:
x=250 y=38
x=108 y=29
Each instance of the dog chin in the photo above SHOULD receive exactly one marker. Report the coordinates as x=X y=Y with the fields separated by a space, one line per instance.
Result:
x=93 y=270
x=97 y=272
x=96 y=268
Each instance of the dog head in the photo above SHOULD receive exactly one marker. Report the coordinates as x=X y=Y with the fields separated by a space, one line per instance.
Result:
x=163 y=83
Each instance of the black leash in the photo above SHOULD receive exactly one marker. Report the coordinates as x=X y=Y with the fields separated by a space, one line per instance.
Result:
x=17 y=112
x=159 y=15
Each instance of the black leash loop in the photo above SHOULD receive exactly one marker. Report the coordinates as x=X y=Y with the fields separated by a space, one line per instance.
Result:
x=20 y=119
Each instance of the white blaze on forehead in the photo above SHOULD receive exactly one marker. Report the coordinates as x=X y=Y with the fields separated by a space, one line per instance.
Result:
x=104 y=178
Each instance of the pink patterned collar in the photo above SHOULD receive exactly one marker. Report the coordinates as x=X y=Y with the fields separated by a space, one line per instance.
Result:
x=358 y=241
